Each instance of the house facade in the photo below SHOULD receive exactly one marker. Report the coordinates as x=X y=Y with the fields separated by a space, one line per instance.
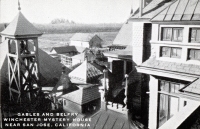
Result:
x=64 y=54
x=87 y=40
x=174 y=66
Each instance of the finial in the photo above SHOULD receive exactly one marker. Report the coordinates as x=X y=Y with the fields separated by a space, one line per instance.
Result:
x=104 y=70
x=131 y=10
x=19 y=8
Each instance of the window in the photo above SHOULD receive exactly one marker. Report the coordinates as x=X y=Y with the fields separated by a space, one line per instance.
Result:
x=194 y=54
x=67 y=61
x=172 y=34
x=171 y=52
x=168 y=102
x=195 y=35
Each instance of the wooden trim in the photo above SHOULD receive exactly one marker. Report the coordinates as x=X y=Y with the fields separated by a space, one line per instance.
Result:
x=167 y=73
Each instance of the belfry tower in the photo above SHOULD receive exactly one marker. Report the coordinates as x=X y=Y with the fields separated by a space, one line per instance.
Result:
x=23 y=66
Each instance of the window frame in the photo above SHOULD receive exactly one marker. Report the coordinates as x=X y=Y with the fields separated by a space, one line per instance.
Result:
x=195 y=58
x=167 y=95
x=190 y=35
x=171 y=34
x=170 y=55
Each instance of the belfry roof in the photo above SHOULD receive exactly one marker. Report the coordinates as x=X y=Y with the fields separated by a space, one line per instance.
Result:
x=20 y=26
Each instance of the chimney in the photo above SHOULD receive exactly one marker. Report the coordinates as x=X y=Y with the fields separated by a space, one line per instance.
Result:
x=141 y=6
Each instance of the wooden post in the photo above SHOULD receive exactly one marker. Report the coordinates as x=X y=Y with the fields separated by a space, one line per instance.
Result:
x=36 y=57
x=126 y=91
x=105 y=87
x=18 y=47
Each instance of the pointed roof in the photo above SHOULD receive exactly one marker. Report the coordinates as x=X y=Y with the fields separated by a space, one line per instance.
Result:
x=85 y=73
x=125 y=31
x=181 y=10
x=20 y=26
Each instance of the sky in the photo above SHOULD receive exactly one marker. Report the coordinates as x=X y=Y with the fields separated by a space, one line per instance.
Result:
x=80 y=11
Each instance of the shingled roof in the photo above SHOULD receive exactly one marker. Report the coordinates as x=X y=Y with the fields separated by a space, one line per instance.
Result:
x=85 y=73
x=20 y=26
x=67 y=49
x=194 y=87
x=172 y=66
x=181 y=10
x=152 y=9
x=85 y=94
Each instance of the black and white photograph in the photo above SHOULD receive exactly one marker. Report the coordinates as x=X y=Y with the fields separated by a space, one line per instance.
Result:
x=100 y=64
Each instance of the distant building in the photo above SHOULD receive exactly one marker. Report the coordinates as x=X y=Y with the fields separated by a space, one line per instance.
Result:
x=87 y=40
x=77 y=59
x=64 y=54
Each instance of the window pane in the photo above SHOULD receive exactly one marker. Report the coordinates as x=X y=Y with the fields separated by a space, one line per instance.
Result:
x=180 y=35
x=177 y=34
x=167 y=34
x=176 y=52
x=174 y=88
x=194 y=54
x=191 y=54
x=173 y=102
x=163 y=109
x=165 y=52
x=198 y=35
x=195 y=35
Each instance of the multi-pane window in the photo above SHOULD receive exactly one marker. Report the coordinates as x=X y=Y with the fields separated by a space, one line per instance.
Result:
x=67 y=61
x=168 y=102
x=171 y=52
x=195 y=35
x=194 y=54
x=172 y=34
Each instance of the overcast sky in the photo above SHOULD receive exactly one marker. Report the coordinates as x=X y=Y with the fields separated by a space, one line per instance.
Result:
x=82 y=11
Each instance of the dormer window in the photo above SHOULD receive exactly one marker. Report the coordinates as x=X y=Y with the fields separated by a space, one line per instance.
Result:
x=171 y=52
x=172 y=34
x=195 y=35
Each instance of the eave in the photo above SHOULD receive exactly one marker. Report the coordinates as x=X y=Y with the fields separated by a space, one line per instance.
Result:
x=166 y=73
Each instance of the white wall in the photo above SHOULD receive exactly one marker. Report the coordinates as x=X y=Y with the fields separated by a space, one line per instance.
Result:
x=75 y=61
x=185 y=45
x=79 y=43
x=153 y=102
